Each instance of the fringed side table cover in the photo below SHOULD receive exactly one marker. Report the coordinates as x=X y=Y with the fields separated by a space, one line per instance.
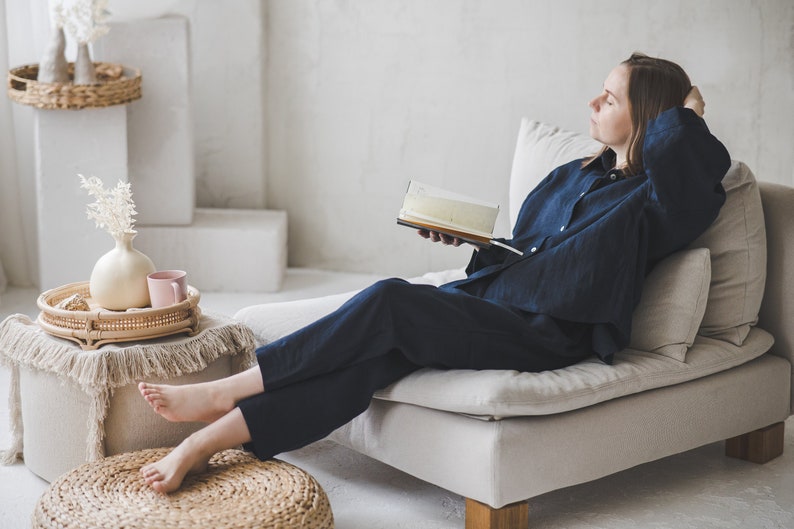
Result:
x=69 y=406
x=237 y=491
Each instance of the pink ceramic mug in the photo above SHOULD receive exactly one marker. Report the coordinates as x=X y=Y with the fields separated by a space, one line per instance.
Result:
x=167 y=287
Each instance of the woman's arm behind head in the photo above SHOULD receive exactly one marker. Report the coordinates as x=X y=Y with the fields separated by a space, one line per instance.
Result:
x=694 y=100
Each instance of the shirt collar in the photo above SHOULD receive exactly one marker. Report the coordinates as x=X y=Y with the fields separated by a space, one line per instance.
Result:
x=606 y=163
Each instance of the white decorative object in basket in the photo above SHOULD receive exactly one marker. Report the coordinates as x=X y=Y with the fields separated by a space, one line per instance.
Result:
x=98 y=326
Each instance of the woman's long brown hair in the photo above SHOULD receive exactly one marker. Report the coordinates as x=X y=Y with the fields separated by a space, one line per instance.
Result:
x=655 y=85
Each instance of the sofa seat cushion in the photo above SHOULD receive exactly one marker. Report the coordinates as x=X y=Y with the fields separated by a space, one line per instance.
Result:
x=496 y=394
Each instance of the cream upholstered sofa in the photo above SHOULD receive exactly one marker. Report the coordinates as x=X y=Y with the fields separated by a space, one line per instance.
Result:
x=710 y=359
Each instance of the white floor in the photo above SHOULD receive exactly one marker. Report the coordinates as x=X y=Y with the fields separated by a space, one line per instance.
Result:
x=695 y=490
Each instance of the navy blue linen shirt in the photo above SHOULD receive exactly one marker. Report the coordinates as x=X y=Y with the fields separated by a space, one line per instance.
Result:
x=590 y=235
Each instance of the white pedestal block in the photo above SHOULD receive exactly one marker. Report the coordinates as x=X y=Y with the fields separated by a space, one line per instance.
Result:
x=92 y=142
x=159 y=130
x=229 y=250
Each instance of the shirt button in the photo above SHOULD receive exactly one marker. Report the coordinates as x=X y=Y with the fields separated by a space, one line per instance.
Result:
x=613 y=177
x=562 y=228
x=533 y=249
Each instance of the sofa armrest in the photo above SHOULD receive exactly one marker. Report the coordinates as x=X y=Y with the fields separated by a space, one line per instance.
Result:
x=271 y=321
x=777 y=308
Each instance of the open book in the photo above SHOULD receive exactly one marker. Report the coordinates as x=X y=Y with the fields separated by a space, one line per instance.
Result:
x=470 y=220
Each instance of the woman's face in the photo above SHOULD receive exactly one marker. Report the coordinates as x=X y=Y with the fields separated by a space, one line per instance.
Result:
x=610 y=122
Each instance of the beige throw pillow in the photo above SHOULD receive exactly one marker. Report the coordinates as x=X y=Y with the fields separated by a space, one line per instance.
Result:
x=737 y=241
x=673 y=301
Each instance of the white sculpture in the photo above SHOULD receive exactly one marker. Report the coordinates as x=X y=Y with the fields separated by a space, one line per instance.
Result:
x=53 y=66
x=84 y=20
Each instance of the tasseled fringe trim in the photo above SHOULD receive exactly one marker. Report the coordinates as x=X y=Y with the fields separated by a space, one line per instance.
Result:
x=14 y=452
x=99 y=372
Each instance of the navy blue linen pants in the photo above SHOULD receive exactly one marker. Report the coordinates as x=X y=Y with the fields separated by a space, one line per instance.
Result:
x=323 y=375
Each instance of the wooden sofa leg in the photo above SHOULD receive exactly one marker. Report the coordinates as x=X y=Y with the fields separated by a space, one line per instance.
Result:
x=758 y=446
x=481 y=516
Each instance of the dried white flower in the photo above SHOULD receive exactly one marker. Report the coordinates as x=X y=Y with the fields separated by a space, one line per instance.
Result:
x=84 y=20
x=56 y=14
x=113 y=209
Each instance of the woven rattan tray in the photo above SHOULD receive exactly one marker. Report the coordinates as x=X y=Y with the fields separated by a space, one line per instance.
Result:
x=97 y=326
x=116 y=85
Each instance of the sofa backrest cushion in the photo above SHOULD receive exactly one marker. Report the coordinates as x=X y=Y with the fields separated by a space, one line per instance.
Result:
x=736 y=241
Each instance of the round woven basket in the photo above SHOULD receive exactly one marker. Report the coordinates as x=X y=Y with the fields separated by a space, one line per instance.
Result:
x=237 y=491
x=116 y=85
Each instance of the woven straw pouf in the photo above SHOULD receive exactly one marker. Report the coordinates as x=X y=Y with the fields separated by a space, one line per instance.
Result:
x=237 y=490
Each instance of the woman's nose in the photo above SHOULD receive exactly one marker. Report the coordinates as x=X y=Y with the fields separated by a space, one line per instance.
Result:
x=593 y=104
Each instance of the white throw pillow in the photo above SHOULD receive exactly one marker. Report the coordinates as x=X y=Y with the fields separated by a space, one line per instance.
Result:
x=540 y=149
x=673 y=301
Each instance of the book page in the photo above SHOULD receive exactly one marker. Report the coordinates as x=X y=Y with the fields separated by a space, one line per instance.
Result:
x=468 y=219
x=448 y=209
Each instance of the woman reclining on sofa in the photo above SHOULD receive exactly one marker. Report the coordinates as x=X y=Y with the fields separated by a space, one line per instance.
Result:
x=589 y=233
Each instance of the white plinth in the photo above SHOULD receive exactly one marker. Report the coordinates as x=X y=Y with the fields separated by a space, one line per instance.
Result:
x=67 y=142
x=229 y=250
x=161 y=159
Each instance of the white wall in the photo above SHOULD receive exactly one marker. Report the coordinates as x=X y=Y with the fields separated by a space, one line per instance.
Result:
x=365 y=95
x=13 y=258
x=326 y=108
x=228 y=101
x=229 y=92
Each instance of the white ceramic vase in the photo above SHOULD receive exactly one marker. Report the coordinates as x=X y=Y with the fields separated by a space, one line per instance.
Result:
x=84 y=72
x=118 y=281
x=53 y=67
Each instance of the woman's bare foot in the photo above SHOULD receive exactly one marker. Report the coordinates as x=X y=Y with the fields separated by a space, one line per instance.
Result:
x=192 y=402
x=193 y=454
x=167 y=474
x=203 y=402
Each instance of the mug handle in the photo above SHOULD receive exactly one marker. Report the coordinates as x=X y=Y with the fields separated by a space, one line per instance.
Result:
x=178 y=297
